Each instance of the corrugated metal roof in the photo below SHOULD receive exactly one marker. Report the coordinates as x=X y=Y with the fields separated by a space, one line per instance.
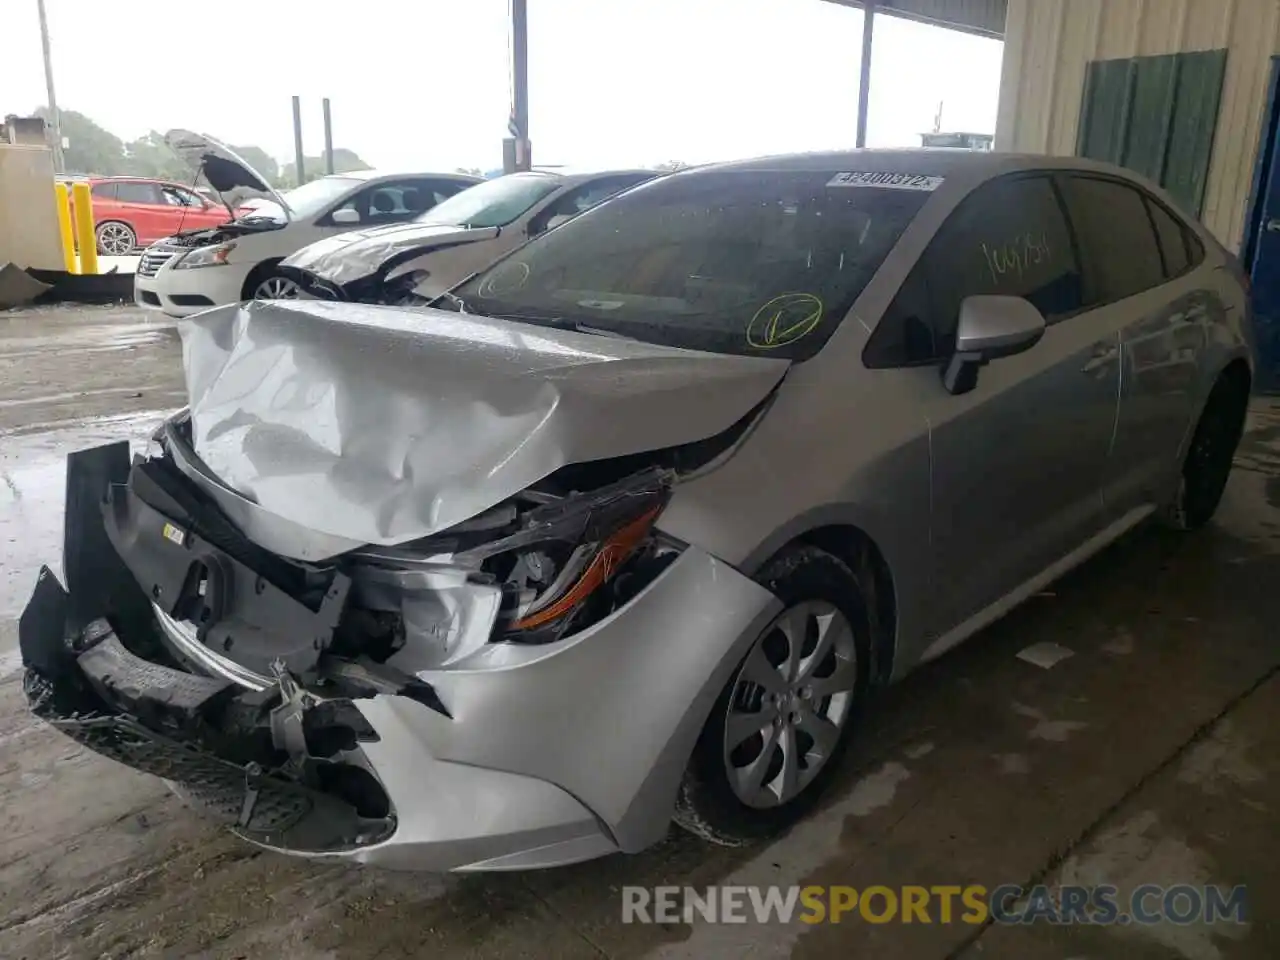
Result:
x=983 y=17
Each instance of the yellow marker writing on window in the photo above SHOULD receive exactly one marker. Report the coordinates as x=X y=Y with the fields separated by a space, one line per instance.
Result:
x=783 y=320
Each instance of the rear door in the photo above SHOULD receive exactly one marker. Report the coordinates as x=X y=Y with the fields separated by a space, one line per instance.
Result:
x=140 y=205
x=1140 y=279
x=1018 y=462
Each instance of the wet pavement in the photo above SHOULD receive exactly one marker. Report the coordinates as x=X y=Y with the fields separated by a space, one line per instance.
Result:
x=1150 y=755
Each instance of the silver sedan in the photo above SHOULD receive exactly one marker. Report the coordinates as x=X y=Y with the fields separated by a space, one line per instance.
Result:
x=631 y=525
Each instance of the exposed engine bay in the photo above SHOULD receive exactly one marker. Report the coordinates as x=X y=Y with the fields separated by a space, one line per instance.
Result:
x=208 y=236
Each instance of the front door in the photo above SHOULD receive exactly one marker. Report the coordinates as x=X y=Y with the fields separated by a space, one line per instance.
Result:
x=1018 y=462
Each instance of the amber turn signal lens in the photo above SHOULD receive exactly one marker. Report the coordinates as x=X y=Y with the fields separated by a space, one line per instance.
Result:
x=611 y=556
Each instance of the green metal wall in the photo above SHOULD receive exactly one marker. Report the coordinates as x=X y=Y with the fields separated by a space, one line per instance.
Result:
x=1156 y=116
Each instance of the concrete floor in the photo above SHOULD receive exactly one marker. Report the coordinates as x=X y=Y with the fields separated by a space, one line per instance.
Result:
x=1152 y=755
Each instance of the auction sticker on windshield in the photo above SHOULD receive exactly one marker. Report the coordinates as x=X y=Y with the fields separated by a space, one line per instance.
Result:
x=894 y=181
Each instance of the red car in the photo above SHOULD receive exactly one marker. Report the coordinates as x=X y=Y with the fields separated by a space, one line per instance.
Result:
x=131 y=212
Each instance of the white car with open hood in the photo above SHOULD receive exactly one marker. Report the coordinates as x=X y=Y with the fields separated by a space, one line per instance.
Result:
x=236 y=261
x=422 y=259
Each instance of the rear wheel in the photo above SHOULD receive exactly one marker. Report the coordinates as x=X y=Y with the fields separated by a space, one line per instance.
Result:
x=779 y=727
x=115 y=239
x=1211 y=451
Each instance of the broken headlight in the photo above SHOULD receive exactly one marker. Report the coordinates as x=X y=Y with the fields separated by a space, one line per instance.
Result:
x=567 y=567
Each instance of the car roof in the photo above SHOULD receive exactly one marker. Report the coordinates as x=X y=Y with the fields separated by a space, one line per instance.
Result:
x=968 y=165
x=398 y=174
x=128 y=179
x=571 y=178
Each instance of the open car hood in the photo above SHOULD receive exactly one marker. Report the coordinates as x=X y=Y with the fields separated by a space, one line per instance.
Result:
x=358 y=254
x=379 y=425
x=226 y=172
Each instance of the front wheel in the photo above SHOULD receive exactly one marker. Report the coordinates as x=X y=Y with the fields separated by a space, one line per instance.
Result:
x=779 y=727
x=275 y=287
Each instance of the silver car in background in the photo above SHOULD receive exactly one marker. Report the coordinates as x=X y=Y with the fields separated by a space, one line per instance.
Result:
x=629 y=526
x=412 y=262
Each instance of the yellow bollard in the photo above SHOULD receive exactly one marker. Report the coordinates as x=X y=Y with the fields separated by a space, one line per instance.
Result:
x=65 y=230
x=83 y=210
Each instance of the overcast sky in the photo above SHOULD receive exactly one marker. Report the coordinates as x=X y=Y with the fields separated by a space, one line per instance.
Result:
x=424 y=84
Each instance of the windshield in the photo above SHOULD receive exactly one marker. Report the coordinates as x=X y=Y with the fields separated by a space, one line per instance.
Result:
x=310 y=198
x=740 y=261
x=494 y=203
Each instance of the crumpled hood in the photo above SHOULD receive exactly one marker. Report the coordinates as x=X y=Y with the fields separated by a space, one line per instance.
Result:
x=358 y=254
x=381 y=425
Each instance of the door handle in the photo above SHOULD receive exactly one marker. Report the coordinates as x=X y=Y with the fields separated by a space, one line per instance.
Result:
x=1273 y=225
x=1101 y=358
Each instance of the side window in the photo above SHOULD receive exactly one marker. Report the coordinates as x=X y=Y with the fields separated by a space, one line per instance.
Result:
x=583 y=198
x=135 y=191
x=178 y=197
x=1118 y=247
x=104 y=191
x=392 y=202
x=1008 y=237
x=442 y=190
x=386 y=204
x=1180 y=248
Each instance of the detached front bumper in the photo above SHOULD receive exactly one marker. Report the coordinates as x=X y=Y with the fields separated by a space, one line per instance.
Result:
x=512 y=757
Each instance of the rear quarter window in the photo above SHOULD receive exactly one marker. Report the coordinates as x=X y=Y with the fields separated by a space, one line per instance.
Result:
x=1180 y=248
x=1118 y=247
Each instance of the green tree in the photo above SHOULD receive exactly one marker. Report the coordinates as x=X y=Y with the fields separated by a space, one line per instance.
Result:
x=344 y=161
x=469 y=171
x=90 y=149
x=149 y=156
x=261 y=161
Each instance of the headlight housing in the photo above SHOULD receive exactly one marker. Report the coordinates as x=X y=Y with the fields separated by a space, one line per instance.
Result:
x=214 y=256
x=566 y=567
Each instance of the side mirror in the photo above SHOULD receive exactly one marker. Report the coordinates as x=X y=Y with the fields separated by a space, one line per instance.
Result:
x=990 y=327
x=345 y=216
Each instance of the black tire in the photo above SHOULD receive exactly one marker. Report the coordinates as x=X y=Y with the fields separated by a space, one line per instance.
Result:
x=120 y=239
x=706 y=804
x=262 y=273
x=1211 y=452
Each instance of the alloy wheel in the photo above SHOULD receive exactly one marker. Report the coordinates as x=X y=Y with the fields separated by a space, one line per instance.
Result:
x=791 y=700
x=276 y=288
x=116 y=239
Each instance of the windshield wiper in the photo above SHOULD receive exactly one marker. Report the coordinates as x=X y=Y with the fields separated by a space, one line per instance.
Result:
x=453 y=298
x=602 y=332
x=562 y=323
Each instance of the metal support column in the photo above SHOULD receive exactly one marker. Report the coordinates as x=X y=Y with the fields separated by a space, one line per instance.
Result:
x=298 y=159
x=519 y=157
x=328 y=137
x=864 y=81
x=55 y=118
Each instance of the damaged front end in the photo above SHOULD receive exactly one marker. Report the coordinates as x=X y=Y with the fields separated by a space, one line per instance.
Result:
x=183 y=649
